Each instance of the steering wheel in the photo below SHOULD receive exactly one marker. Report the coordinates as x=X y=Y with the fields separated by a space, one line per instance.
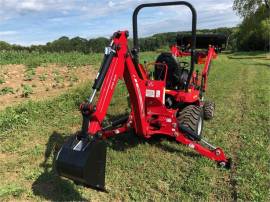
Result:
x=184 y=64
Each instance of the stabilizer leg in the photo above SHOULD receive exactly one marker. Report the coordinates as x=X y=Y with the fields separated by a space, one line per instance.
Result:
x=210 y=151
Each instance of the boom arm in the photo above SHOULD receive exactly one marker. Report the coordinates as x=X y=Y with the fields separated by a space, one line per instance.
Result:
x=203 y=57
x=211 y=54
x=117 y=64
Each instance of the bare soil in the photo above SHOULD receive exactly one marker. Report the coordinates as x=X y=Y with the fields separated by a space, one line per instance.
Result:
x=44 y=82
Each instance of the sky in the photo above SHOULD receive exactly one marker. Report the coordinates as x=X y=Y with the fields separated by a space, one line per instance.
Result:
x=27 y=22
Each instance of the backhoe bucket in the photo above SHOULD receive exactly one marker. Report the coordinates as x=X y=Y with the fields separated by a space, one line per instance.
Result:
x=83 y=161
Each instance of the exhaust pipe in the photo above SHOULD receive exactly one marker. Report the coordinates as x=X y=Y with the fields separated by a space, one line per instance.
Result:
x=83 y=161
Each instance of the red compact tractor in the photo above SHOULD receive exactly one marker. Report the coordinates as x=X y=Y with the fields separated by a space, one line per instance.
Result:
x=170 y=103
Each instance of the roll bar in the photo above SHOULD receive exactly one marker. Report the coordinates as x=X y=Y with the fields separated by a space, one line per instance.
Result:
x=194 y=23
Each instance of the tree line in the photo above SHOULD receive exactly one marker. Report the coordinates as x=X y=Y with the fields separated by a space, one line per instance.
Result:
x=65 y=44
x=252 y=34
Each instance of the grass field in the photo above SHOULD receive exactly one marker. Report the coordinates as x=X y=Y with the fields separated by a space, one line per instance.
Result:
x=31 y=133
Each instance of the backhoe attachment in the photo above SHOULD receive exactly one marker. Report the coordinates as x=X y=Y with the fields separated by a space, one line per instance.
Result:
x=83 y=157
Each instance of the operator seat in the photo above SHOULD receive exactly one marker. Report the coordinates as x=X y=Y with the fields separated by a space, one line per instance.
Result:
x=176 y=75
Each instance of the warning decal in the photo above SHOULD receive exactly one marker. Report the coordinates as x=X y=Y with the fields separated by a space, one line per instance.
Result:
x=150 y=93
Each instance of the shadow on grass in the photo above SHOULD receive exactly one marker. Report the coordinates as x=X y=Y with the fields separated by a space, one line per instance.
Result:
x=128 y=140
x=247 y=57
x=248 y=53
x=125 y=141
x=49 y=185
x=159 y=140
x=262 y=64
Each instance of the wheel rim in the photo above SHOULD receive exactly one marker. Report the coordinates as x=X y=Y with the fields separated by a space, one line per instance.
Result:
x=199 y=130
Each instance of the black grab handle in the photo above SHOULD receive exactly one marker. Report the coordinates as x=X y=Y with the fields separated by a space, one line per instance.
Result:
x=194 y=23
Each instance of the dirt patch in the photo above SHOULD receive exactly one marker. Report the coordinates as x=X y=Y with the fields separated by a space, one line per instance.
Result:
x=18 y=83
x=3 y=156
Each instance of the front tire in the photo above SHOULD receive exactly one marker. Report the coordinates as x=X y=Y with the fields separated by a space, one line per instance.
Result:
x=208 y=110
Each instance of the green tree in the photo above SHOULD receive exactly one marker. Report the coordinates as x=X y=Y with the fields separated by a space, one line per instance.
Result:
x=98 y=44
x=79 y=44
x=254 y=31
x=4 y=45
x=61 y=44
x=246 y=8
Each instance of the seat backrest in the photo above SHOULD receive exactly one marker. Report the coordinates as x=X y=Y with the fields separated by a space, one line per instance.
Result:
x=172 y=64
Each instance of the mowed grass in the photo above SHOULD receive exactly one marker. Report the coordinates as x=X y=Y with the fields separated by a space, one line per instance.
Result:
x=31 y=134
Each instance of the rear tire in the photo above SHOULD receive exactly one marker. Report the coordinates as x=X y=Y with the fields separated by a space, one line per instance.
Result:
x=192 y=118
x=208 y=110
